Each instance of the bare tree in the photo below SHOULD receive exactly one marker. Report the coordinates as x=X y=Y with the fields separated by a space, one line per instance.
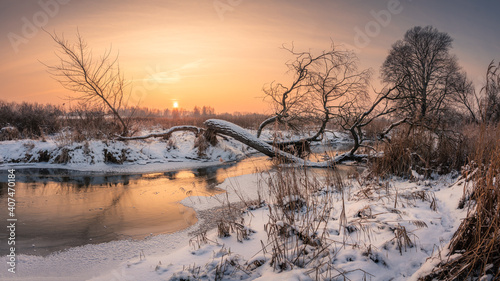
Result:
x=422 y=58
x=289 y=101
x=332 y=89
x=355 y=116
x=465 y=97
x=322 y=85
x=337 y=85
x=97 y=82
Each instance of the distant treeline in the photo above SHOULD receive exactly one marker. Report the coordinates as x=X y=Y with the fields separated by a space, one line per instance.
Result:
x=174 y=113
x=25 y=120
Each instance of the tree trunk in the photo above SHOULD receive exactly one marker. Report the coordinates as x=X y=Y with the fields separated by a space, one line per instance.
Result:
x=229 y=129
x=265 y=123
x=356 y=141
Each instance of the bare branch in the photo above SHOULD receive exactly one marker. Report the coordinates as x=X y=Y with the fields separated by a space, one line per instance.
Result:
x=166 y=134
x=98 y=82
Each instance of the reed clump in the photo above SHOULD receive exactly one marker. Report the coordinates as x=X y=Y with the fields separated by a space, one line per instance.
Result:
x=424 y=151
x=475 y=246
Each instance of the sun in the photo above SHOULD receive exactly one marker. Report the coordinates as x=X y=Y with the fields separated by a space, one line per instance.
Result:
x=176 y=104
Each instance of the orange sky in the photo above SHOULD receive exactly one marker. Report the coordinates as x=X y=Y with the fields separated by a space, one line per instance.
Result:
x=220 y=53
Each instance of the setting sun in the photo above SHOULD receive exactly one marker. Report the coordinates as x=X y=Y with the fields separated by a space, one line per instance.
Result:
x=176 y=104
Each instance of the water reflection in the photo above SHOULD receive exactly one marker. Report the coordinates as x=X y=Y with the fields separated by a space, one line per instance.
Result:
x=57 y=209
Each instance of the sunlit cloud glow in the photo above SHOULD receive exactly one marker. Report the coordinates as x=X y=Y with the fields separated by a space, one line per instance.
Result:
x=175 y=75
x=188 y=50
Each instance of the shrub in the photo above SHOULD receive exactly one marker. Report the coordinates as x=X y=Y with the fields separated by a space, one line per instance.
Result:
x=89 y=123
x=31 y=119
x=9 y=133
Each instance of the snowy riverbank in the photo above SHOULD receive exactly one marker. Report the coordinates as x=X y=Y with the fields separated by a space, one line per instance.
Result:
x=379 y=230
x=426 y=210
x=92 y=155
x=128 y=157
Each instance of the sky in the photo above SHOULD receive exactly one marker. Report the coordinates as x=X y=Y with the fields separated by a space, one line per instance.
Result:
x=220 y=53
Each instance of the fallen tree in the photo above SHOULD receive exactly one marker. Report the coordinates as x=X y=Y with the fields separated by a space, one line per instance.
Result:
x=221 y=127
x=326 y=88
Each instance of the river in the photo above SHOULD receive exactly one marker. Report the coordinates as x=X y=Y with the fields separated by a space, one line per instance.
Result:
x=57 y=208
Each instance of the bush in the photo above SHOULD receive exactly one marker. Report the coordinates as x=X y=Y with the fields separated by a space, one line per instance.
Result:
x=30 y=119
x=9 y=133
x=88 y=123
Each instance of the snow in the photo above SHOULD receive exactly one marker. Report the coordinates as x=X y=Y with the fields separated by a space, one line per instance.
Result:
x=132 y=156
x=384 y=262
x=364 y=247
x=171 y=256
x=240 y=134
x=108 y=156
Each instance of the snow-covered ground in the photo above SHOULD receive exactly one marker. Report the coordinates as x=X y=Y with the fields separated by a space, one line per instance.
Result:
x=118 y=156
x=422 y=213
x=373 y=216
x=425 y=210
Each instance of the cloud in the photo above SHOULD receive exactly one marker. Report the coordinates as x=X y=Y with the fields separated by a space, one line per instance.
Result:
x=174 y=75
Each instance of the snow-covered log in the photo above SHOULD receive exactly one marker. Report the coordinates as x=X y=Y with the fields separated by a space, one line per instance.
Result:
x=232 y=130
x=265 y=123
x=166 y=134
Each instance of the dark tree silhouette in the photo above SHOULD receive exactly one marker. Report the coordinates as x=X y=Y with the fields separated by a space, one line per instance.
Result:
x=431 y=74
x=323 y=85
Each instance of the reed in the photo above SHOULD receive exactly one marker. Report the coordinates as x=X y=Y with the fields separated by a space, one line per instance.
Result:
x=477 y=240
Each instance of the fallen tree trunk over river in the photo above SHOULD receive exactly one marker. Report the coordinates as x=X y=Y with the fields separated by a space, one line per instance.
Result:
x=231 y=130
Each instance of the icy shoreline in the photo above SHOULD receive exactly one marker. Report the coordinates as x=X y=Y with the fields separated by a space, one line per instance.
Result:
x=74 y=263
x=119 y=169
x=160 y=257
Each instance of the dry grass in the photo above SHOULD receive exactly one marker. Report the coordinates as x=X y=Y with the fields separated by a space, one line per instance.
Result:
x=199 y=240
x=300 y=207
x=402 y=238
x=477 y=240
x=202 y=144
x=421 y=150
x=298 y=216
